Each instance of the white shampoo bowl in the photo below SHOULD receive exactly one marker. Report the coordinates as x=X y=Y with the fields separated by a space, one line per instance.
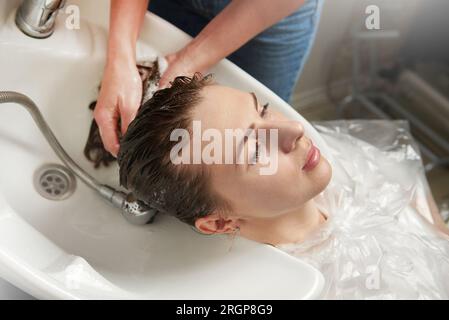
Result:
x=82 y=248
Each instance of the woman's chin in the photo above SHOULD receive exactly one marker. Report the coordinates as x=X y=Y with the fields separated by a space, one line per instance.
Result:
x=321 y=175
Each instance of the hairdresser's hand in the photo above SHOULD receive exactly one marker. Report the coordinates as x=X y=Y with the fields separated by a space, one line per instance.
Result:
x=120 y=97
x=180 y=63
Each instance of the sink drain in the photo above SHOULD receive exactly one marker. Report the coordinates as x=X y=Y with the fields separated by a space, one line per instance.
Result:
x=54 y=182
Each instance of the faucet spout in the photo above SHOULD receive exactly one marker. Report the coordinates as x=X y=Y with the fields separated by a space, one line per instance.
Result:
x=36 y=18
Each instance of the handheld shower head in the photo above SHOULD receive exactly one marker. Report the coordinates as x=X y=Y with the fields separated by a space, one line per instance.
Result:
x=135 y=211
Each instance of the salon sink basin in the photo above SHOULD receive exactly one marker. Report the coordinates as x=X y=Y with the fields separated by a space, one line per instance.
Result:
x=81 y=247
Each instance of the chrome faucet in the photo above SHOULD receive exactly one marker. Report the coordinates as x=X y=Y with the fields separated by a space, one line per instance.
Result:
x=36 y=18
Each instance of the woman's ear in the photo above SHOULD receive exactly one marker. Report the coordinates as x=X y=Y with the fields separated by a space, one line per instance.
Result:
x=215 y=224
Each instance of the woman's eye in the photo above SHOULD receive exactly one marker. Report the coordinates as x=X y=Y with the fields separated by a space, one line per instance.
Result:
x=255 y=158
x=264 y=109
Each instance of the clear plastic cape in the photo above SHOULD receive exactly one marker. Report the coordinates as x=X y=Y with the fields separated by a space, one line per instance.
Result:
x=379 y=241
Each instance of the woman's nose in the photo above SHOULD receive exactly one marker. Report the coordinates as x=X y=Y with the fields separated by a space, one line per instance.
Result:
x=289 y=132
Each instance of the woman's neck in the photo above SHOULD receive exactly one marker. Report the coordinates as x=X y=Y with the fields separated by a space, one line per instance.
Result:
x=290 y=227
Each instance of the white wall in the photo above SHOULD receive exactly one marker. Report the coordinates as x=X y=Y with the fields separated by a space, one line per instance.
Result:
x=335 y=20
x=333 y=32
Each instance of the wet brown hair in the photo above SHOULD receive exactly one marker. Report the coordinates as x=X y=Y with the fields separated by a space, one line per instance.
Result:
x=144 y=157
x=94 y=149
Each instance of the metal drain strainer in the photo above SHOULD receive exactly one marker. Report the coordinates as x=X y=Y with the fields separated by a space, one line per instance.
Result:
x=54 y=182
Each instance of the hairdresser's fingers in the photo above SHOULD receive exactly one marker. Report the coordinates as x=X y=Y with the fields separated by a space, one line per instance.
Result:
x=164 y=82
x=107 y=124
x=171 y=64
x=171 y=74
x=175 y=68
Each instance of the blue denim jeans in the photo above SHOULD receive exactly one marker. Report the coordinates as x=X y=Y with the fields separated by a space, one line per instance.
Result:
x=275 y=57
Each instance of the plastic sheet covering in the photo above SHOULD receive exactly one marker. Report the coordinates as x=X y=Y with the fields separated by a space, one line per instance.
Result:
x=378 y=241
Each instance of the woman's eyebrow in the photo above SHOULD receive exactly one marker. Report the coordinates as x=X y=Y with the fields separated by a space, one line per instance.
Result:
x=256 y=103
x=243 y=142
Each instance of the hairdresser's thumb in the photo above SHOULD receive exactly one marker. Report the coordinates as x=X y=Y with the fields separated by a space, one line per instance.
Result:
x=107 y=126
x=163 y=83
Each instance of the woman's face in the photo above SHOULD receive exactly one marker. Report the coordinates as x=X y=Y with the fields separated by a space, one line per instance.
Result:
x=250 y=193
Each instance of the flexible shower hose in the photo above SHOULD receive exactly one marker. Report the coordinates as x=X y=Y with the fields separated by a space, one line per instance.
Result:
x=134 y=210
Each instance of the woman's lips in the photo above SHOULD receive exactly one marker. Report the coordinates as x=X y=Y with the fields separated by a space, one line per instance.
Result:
x=313 y=158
